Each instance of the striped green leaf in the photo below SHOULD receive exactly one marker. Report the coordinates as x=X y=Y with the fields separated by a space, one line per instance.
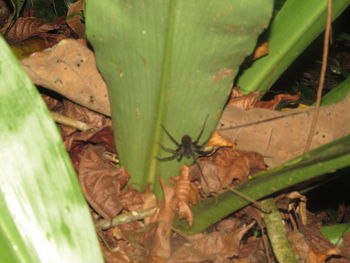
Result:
x=44 y=217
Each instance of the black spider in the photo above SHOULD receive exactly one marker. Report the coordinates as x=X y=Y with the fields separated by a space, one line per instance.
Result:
x=187 y=148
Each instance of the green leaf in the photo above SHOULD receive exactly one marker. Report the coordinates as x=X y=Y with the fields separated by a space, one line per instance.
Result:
x=171 y=63
x=44 y=217
x=337 y=94
x=296 y=25
x=335 y=233
x=325 y=159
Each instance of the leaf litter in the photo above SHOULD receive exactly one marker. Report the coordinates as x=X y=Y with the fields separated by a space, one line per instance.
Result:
x=145 y=233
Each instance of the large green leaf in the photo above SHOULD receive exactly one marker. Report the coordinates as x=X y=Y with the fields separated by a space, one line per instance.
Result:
x=171 y=63
x=325 y=159
x=296 y=25
x=44 y=217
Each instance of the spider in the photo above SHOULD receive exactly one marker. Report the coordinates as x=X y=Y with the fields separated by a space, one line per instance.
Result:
x=187 y=148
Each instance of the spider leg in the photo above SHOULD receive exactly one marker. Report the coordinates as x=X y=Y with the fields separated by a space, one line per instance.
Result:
x=172 y=157
x=202 y=130
x=171 y=137
x=168 y=149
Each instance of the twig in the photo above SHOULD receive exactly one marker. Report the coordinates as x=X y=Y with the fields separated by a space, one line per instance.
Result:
x=59 y=118
x=247 y=198
x=322 y=77
x=125 y=218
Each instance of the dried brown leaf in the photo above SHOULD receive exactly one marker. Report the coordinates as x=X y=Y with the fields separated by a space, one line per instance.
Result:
x=83 y=114
x=27 y=27
x=215 y=246
x=261 y=50
x=227 y=166
x=52 y=103
x=311 y=246
x=69 y=69
x=159 y=248
x=345 y=248
x=101 y=182
x=281 y=136
x=103 y=137
x=75 y=22
x=242 y=101
x=317 y=257
x=217 y=140
x=272 y=104
x=182 y=193
x=132 y=199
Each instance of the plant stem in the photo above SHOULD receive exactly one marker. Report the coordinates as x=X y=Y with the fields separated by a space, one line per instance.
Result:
x=276 y=231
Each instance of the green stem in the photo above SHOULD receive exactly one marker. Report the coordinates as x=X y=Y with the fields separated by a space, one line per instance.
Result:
x=276 y=231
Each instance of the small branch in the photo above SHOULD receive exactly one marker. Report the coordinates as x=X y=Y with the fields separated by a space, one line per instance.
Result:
x=59 y=118
x=322 y=77
x=125 y=218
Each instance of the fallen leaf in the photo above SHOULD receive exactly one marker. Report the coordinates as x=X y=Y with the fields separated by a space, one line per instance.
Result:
x=76 y=142
x=214 y=247
x=27 y=27
x=132 y=199
x=272 y=104
x=75 y=22
x=83 y=114
x=101 y=182
x=311 y=246
x=261 y=50
x=217 y=140
x=69 y=68
x=159 y=248
x=226 y=167
x=242 y=101
x=182 y=193
x=277 y=135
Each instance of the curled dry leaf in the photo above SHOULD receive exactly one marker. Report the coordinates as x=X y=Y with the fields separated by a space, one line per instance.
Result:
x=227 y=166
x=27 y=27
x=52 y=103
x=182 y=193
x=272 y=104
x=77 y=142
x=242 y=101
x=101 y=182
x=159 y=248
x=75 y=22
x=217 y=140
x=132 y=199
x=69 y=68
x=305 y=250
x=79 y=113
x=213 y=247
x=345 y=248
x=261 y=50
x=294 y=205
